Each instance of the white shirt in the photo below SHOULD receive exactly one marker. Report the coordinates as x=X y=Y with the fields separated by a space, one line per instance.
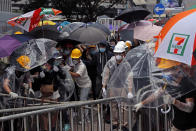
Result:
x=83 y=81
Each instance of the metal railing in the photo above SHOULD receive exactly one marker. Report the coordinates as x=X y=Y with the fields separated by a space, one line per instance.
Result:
x=94 y=115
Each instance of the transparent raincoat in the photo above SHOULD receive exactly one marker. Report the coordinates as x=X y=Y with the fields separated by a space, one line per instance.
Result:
x=67 y=86
x=140 y=75
x=17 y=81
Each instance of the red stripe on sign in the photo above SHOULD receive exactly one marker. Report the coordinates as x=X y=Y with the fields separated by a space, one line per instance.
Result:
x=175 y=51
x=194 y=48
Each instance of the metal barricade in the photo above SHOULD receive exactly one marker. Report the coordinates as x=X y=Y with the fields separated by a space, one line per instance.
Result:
x=93 y=115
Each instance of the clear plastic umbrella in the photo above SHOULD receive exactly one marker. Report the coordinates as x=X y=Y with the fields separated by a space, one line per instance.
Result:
x=32 y=53
x=140 y=75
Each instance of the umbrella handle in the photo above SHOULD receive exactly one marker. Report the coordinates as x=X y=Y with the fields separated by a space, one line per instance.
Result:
x=166 y=111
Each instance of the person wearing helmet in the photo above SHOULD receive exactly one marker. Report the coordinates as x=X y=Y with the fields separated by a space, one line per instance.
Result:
x=15 y=83
x=112 y=64
x=109 y=69
x=129 y=45
x=80 y=74
x=184 y=109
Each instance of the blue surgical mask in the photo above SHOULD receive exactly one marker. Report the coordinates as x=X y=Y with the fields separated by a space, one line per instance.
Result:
x=93 y=52
x=102 y=50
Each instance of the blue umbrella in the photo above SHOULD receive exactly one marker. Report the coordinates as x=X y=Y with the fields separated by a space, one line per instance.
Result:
x=62 y=25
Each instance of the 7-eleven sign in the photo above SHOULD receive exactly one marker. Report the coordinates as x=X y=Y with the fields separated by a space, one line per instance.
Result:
x=177 y=44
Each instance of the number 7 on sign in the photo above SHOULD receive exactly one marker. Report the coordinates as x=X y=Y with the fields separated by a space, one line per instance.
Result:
x=180 y=40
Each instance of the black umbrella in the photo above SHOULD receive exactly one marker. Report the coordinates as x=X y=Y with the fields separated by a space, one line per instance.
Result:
x=133 y=14
x=99 y=26
x=32 y=53
x=46 y=31
x=88 y=35
x=126 y=35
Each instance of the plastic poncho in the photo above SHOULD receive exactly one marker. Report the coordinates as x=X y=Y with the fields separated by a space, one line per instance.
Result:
x=108 y=70
x=16 y=81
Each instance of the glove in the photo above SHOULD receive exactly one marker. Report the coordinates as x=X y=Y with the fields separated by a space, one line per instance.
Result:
x=42 y=74
x=13 y=95
x=138 y=106
x=104 y=92
x=130 y=95
x=55 y=68
x=167 y=99
x=31 y=91
x=26 y=85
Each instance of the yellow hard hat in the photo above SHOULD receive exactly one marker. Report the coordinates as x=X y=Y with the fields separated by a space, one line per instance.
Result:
x=165 y=63
x=18 y=33
x=76 y=53
x=24 y=61
x=128 y=43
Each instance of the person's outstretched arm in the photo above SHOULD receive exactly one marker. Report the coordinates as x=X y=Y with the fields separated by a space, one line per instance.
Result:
x=186 y=107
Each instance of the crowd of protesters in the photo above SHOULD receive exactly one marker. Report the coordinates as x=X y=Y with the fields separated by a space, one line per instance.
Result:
x=90 y=67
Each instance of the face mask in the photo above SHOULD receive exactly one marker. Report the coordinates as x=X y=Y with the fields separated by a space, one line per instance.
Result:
x=102 y=50
x=119 y=57
x=112 y=47
x=57 y=62
x=66 y=52
x=75 y=62
x=93 y=52
x=45 y=68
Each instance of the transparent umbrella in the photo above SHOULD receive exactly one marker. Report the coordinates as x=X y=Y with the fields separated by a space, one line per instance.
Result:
x=140 y=74
x=32 y=53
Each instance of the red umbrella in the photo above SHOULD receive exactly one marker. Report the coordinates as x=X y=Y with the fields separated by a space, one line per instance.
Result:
x=31 y=19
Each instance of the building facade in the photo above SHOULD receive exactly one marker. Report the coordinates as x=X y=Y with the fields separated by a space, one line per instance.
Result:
x=5 y=5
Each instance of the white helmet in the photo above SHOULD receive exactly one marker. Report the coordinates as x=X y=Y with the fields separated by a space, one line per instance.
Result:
x=122 y=43
x=120 y=47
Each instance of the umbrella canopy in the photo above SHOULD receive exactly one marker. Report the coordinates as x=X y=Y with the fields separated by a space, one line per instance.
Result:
x=146 y=33
x=9 y=43
x=32 y=53
x=46 y=22
x=153 y=20
x=46 y=31
x=72 y=27
x=88 y=35
x=62 y=25
x=126 y=35
x=133 y=14
x=99 y=26
x=132 y=25
x=143 y=30
x=192 y=7
x=140 y=73
x=18 y=33
x=31 y=19
x=177 y=39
